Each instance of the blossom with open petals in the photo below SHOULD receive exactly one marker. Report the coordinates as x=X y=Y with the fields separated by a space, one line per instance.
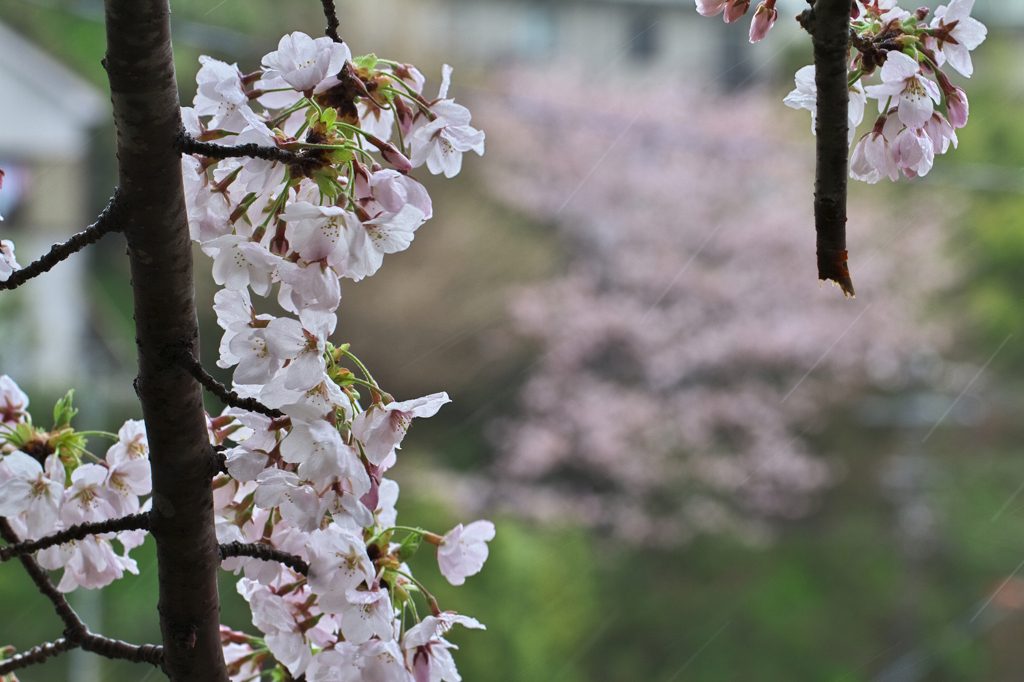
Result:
x=303 y=62
x=463 y=551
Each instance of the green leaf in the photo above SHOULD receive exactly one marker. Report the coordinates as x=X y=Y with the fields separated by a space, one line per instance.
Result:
x=63 y=411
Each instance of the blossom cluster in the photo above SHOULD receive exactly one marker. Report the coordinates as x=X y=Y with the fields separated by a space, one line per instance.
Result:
x=49 y=482
x=681 y=362
x=322 y=193
x=311 y=482
x=908 y=53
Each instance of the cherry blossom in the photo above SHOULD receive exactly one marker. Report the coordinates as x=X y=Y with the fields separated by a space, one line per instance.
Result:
x=303 y=62
x=764 y=18
x=463 y=551
x=711 y=8
x=957 y=33
x=805 y=96
x=88 y=500
x=220 y=94
x=901 y=75
x=32 y=491
x=381 y=428
x=13 y=402
x=8 y=263
x=131 y=444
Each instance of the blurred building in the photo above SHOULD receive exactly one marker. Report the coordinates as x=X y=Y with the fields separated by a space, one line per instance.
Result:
x=47 y=118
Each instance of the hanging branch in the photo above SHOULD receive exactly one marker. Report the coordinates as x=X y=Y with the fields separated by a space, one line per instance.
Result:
x=226 y=396
x=187 y=144
x=332 y=21
x=77 y=532
x=264 y=552
x=36 y=654
x=828 y=23
x=106 y=222
x=75 y=631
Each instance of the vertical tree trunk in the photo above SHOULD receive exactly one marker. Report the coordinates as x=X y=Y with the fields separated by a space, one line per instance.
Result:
x=140 y=66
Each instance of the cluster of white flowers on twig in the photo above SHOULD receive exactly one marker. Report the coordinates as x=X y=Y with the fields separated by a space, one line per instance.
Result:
x=907 y=52
x=296 y=193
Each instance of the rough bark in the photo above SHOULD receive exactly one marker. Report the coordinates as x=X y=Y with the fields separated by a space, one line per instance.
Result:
x=828 y=22
x=152 y=212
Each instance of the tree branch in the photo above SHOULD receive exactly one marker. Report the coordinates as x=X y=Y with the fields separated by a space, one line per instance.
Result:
x=78 y=532
x=106 y=222
x=75 y=631
x=115 y=648
x=147 y=114
x=187 y=144
x=226 y=396
x=264 y=552
x=332 y=21
x=72 y=623
x=36 y=654
x=828 y=22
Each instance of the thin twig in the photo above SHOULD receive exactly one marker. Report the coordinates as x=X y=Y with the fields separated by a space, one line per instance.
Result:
x=74 y=627
x=78 y=532
x=36 y=654
x=264 y=552
x=226 y=396
x=828 y=22
x=105 y=222
x=190 y=145
x=75 y=631
x=332 y=21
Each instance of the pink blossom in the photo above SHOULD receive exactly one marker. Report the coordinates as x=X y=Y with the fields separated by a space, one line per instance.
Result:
x=901 y=75
x=131 y=443
x=940 y=132
x=956 y=107
x=381 y=428
x=13 y=402
x=303 y=62
x=914 y=151
x=735 y=10
x=219 y=93
x=957 y=34
x=764 y=18
x=31 y=491
x=463 y=551
x=441 y=142
x=711 y=8
x=873 y=157
x=8 y=263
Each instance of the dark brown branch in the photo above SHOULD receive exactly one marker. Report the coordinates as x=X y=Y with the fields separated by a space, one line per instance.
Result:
x=147 y=114
x=79 y=532
x=828 y=22
x=187 y=144
x=106 y=222
x=75 y=631
x=226 y=396
x=264 y=552
x=115 y=648
x=332 y=21
x=72 y=623
x=36 y=654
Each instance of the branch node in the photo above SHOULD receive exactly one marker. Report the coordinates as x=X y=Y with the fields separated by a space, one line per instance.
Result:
x=226 y=396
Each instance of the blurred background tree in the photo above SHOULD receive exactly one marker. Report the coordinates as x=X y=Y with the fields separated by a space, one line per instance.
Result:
x=565 y=280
